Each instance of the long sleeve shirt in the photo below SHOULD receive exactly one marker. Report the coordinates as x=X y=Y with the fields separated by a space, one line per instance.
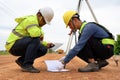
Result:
x=89 y=30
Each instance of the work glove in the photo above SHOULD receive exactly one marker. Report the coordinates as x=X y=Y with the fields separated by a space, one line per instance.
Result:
x=50 y=45
x=60 y=66
x=62 y=61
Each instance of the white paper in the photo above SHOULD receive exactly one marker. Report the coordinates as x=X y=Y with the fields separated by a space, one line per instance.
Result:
x=57 y=45
x=52 y=66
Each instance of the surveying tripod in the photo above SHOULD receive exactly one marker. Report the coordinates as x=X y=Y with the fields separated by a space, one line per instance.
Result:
x=74 y=33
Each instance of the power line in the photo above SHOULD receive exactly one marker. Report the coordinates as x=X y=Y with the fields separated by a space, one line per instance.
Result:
x=7 y=9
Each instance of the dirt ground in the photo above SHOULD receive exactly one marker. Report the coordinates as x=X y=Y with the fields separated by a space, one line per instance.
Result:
x=9 y=70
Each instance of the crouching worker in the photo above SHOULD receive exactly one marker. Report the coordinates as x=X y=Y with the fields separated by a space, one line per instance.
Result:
x=26 y=39
x=95 y=44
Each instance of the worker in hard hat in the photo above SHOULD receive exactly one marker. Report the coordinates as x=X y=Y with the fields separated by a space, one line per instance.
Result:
x=95 y=43
x=26 y=39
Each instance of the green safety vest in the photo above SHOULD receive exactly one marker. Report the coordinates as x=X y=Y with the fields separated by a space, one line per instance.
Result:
x=110 y=41
x=27 y=26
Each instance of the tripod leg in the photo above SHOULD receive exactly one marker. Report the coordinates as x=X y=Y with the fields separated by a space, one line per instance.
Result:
x=69 y=43
x=91 y=11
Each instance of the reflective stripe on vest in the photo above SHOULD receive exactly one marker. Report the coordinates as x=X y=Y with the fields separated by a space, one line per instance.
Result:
x=29 y=26
x=20 y=35
x=7 y=43
x=104 y=40
x=83 y=25
x=17 y=33
x=108 y=41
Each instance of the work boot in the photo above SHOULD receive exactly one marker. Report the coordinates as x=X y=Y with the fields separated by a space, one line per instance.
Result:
x=19 y=63
x=27 y=69
x=30 y=69
x=102 y=63
x=91 y=67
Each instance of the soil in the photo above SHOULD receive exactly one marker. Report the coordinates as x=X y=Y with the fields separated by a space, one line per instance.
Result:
x=9 y=70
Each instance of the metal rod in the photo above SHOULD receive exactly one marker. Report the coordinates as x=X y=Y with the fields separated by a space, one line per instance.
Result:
x=69 y=43
x=74 y=32
x=78 y=7
x=75 y=37
x=91 y=11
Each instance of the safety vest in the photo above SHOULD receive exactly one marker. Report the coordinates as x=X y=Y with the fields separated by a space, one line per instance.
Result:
x=109 y=40
x=27 y=26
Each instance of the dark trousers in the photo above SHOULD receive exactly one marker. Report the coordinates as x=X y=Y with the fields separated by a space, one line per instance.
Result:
x=95 y=49
x=28 y=49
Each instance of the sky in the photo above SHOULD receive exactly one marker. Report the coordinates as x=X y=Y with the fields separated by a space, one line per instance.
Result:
x=106 y=11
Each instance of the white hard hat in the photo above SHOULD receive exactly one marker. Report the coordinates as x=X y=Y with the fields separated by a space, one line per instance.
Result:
x=47 y=13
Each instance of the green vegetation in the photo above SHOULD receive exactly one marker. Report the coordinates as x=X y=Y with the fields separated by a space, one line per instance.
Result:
x=3 y=52
x=117 y=46
x=51 y=51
